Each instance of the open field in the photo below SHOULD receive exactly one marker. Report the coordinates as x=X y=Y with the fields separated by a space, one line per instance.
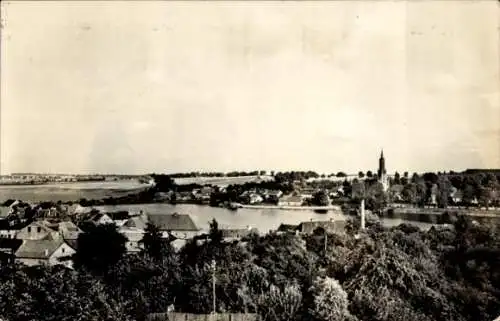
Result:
x=69 y=191
x=222 y=180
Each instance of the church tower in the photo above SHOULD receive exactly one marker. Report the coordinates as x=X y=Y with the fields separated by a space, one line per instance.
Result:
x=382 y=172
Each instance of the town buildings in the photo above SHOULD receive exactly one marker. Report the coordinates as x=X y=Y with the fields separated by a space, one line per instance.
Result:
x=50 y=251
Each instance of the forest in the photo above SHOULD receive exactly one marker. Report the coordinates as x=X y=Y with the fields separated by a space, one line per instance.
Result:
x=399 y=273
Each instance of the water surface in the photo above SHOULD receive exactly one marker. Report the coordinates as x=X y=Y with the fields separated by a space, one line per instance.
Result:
x=262 y=219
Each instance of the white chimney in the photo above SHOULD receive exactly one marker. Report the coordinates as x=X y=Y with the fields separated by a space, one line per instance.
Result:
x=46 y=252
x=362 y=214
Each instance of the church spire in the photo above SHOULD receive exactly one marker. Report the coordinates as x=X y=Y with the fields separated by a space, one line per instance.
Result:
x=381 y=164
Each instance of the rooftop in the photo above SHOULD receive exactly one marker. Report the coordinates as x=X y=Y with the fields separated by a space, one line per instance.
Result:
x=38 y=249
x=173 y=222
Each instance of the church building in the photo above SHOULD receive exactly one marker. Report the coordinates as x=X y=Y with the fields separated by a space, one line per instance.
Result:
x=382 y=172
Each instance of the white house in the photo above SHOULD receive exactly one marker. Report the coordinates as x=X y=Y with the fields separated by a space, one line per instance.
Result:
x=49 y=251
x=68 y=230
x=101 y=219
x=290 y=201
x=35 y=231
x=134 y=237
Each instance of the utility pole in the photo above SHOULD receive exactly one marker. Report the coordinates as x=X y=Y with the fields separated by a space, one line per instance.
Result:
x=363 y=214
x=326 y=241
x=213 y=285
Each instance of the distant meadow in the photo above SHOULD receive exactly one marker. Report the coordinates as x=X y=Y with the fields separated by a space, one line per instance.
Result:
x=69 y=191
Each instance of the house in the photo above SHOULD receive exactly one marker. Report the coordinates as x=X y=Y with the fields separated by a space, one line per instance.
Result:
x=77 y=209
x=101 y=219
x=134 y=237
x=36 y=231
x=68 y=230
x=203 y=194
x=137 y=222
x=133 y=229
x=250 y=197
x=229 y=234
x=255 y=198
x=8 y=233
x=287 y=228
x=49 y=251
x=8 y=248
x=119 y=216
x=178 y=225
x=331 y=226
x=273 y=196
x=183 y=196
x=290 y=200
x=162 y=196
x=308 y=193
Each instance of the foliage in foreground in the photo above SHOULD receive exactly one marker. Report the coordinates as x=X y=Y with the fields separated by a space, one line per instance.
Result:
x=400 y=273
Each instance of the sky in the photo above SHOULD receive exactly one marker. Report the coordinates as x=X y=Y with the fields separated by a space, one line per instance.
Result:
x=140 y=87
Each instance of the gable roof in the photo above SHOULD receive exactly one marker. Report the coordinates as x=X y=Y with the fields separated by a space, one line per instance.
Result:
x=235 y=233
x=45 y=226
x=98 y=216
x=287 y=227
x=38 y=249
x=68 y=226
x=329 y=226
x=139 y=222
x=173 y=222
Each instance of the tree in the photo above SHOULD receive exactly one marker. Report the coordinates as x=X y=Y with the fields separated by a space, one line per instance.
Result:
x=330 y=300
x=274 y=303
x=376 y=199
x=55 y=293
x=468 y=194
x=486 y=195
x=321 y=198
x=99 y=248
x=443 y=192
x=361 y=174
x=154 y=245
x=358 y=191
x=397 y=178
x=430 y=177
x=369 y=174
x=341 y=174
x=215 y=234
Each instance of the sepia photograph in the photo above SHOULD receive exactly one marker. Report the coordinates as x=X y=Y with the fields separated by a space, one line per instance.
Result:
x=250 y=160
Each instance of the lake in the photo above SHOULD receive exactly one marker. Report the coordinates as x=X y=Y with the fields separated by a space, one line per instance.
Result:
x=262 y=219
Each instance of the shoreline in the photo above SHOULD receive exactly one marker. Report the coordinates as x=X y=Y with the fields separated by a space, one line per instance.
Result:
x=312 y=208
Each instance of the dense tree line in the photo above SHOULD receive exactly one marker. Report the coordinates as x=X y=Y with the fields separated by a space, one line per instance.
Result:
x=399 y=273
x=475 y=188
x=217 y=174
